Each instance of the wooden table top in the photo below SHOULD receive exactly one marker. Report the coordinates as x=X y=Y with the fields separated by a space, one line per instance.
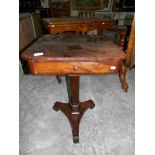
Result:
x=73 y=48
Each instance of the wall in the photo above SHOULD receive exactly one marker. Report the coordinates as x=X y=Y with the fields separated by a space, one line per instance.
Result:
x=45 y=3
x=124 y=18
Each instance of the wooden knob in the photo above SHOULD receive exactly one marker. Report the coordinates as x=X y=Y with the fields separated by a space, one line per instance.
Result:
x=75 y=68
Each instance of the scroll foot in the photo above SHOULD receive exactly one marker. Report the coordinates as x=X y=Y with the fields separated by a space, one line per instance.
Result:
x=122 y=77
x=58 y=78
x=74 y=117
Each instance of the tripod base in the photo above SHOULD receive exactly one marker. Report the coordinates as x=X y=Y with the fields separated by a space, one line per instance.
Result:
x=74 y=117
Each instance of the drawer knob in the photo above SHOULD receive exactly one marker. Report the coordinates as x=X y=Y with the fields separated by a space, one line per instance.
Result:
x=75 y=68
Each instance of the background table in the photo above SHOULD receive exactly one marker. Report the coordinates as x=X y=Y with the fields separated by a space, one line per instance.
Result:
x=78 y=24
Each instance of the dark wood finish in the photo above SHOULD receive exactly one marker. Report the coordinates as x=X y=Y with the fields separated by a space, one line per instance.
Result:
x=72 y=56
x=74 y=110
x=59 y=25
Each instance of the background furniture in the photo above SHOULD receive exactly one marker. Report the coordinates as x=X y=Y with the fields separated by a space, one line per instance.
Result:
x=59 y=25
x=29 y=30
x=59 y=8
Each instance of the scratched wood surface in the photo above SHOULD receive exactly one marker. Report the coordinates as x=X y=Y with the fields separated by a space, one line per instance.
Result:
x=74 y=48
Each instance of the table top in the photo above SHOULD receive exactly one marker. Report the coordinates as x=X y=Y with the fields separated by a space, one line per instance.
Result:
x=76 y=20
x=73 y=48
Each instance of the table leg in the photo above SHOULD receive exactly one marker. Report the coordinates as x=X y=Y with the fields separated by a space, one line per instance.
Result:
x=122 y=39
x=58 y=78
x=122 y=77
x=74 y=110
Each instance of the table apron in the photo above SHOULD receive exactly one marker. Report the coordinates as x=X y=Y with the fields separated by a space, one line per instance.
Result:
x=82 y=27
x=65 y=68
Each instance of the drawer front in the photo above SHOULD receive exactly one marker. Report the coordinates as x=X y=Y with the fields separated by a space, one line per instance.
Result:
x=73 y=68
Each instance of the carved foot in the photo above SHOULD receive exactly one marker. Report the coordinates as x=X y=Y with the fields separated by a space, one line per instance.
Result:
x=124 y=86
x=58 y=78
x=74 y=117
x=85 y=105
x=57 y=106
x=76 y=139
x=122 y=77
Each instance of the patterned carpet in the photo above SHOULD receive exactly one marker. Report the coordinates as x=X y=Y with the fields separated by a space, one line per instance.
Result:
x=108 y=129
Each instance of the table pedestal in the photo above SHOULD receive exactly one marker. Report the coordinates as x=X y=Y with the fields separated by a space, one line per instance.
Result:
x=74 y=110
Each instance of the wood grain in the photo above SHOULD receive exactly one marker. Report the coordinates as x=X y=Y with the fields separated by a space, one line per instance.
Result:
x=63 y=68
x=74 y=48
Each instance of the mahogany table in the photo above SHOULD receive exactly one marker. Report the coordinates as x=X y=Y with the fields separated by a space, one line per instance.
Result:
x=78 y=24
x=72 y=56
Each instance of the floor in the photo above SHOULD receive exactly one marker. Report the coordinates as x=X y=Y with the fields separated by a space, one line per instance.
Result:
x=108 y=129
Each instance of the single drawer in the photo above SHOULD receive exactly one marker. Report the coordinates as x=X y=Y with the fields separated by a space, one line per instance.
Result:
x=73 y=68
